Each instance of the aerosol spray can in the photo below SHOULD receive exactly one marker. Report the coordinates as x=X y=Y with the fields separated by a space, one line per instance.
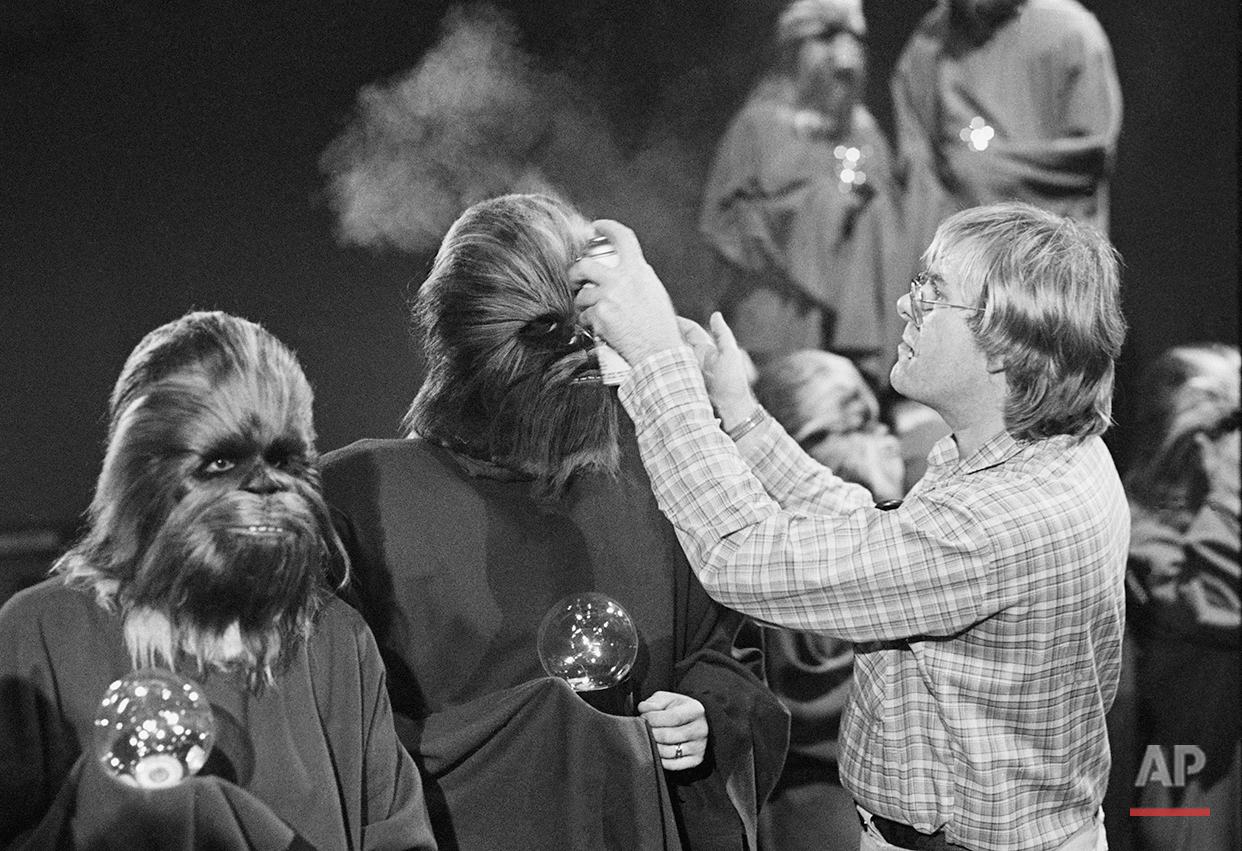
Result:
x=612 y=367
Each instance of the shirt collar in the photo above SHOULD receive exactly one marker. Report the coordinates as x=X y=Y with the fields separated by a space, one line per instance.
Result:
x=997 y=449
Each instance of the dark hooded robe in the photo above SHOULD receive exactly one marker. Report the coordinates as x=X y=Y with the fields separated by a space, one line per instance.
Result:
x=455 y=565
x=310 y=763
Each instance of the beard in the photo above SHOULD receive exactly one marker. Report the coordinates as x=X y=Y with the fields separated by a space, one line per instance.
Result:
x=230 y=581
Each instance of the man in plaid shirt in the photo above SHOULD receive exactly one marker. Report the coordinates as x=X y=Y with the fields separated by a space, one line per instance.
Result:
x=987 y=608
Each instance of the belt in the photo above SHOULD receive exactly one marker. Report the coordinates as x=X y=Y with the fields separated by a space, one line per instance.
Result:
x=904 y=836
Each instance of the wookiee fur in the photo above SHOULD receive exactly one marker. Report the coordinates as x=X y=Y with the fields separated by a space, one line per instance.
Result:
x=208 y=533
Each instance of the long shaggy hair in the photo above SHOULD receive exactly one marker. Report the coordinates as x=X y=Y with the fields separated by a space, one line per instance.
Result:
x=1049 y=289
x=1187 y=390
x=506 y=358
x=207 y=532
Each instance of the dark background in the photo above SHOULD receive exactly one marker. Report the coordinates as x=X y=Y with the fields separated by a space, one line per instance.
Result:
x=158 y=157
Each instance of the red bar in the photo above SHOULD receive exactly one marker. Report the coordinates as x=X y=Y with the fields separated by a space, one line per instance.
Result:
x=1170 y=811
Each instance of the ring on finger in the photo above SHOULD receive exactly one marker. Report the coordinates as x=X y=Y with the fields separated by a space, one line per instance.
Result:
x=677 y=753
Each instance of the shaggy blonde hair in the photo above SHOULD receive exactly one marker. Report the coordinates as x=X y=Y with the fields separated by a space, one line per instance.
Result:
x=1049 y=292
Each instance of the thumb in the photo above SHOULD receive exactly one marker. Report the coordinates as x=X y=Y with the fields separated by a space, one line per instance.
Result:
x=723 y=334
x=657 y=701
x=693 y=333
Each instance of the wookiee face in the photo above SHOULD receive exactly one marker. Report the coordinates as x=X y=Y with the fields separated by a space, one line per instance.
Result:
x=211 y=501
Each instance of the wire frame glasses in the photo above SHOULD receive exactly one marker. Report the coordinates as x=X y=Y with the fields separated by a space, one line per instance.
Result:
x=920 y=306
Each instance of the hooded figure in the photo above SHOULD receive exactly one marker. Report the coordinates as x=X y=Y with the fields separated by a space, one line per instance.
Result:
x=518 y=485
x=794 y=207
x=206 y=555
x=1005 y=100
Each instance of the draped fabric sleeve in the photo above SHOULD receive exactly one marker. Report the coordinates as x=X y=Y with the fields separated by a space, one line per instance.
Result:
x=732 y=219
x=54 y=795
x=455 y=572
x=392 y=810
x=36 y=754
x=1046 y=91
x=314 y=762
x=748 y=729
x=598 y=783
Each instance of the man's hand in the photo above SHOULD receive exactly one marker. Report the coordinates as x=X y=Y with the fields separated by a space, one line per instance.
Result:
x=679 y=725
x=727 y=369
x=625 y=304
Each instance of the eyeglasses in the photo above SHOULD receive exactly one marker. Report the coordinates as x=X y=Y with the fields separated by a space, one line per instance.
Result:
x=917 y=302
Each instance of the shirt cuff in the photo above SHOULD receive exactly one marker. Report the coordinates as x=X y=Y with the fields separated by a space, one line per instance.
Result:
x=653 y=385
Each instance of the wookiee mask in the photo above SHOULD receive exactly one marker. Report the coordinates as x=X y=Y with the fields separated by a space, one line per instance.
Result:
x=208 y=531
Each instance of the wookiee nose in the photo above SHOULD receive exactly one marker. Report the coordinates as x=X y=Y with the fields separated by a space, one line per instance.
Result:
x=261 y=481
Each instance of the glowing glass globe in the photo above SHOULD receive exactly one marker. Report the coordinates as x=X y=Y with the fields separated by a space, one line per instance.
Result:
x=153 y=729
x=589 y=641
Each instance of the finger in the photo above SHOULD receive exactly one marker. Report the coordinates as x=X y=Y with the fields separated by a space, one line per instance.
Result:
x=723 y=334
x=621 y=237
x=693 y=333
x=687 y=325
x=749 y=370
x=586 y=316
x=681 y=757
x=681 y=734
x=658 y=700
x=588 y=296
x=681 y=750
x=674 y=716
x=699 y=341
x=587 y=274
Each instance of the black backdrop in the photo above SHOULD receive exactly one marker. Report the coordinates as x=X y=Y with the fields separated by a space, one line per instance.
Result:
x=157 y=157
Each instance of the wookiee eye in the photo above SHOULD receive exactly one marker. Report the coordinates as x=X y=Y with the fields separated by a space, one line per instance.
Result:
x=282 y=456
x=216 y=466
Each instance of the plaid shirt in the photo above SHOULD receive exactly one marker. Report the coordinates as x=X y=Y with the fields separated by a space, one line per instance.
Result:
x=987 y=609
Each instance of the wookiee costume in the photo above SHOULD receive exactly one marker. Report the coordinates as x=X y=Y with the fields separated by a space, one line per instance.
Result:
x=455 y=565
x=206 y=553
